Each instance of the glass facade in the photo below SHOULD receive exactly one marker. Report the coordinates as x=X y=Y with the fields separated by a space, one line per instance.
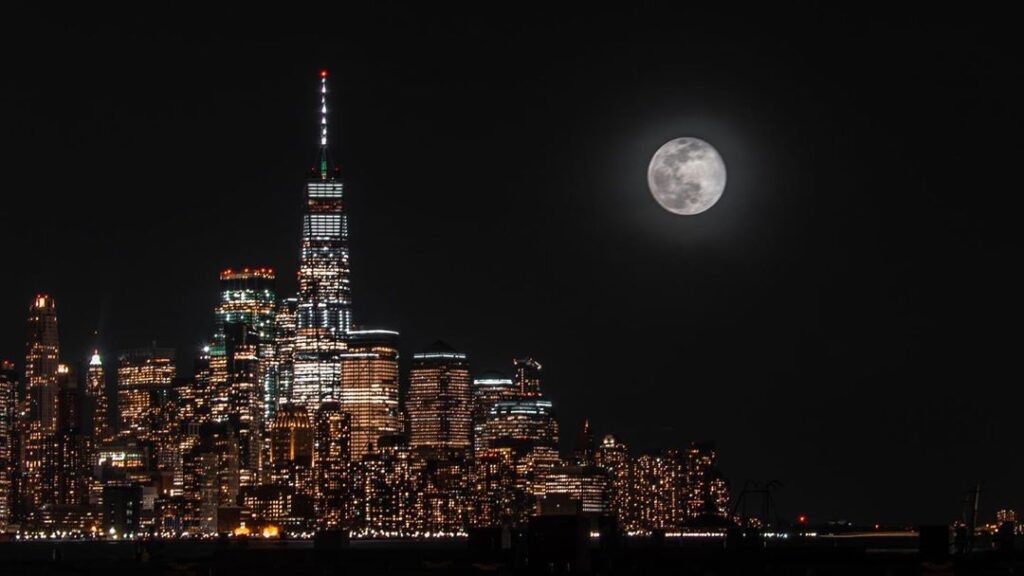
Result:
x=370 y=388
x=440 y=400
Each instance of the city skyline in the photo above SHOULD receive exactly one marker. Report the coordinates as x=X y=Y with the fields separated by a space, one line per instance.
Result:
x=833 y=308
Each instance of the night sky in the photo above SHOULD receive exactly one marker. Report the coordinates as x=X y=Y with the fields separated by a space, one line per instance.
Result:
x=842 y=320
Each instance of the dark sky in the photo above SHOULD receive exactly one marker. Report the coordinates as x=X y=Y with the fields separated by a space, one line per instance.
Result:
x=841 y=320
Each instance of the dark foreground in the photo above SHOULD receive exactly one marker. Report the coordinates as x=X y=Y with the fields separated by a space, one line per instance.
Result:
x=293 y=558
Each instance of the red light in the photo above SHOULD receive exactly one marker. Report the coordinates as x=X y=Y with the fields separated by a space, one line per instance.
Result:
x=323 y=73
x=877 y=526
x=802 y=519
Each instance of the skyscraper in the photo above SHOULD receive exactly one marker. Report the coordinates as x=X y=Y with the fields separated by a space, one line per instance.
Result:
x=487 y=390
x=584 y=454
x=613 y=456
x=41 y=359
x=39 y=410
x=283 y=364
x=247 y=298
x=325 y=299
x=332 y=470
x=141 y=374
x=288 y=489
x=73 y=445
x=369 y=388
x=586 y=485
x=8 y=399
x=292 y=436
x=707 y=490
x=522 y=425
x=440 y=400
x=96 y=388
x=240 y=359
x=528 y=373
x=657 y=494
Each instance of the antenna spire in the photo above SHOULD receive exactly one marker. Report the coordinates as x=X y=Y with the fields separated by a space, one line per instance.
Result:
x=323 y=124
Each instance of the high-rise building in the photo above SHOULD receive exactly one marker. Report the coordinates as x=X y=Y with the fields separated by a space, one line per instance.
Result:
x=38 y=413
x=440 y=401
x=707 y=490
x=587 y=486
x=370 y=388
x=8 y=461
x=292 y=437
x=584 y=454
x=657 y=494
x=73 y=446
x=325 y=298
x=613 y=456
x=96 y=388
x=487 y=390
x=283 y=365
x=388 y=496
x=141 y=375
x=286 y=494
x=523 y=425
x=332 y=469
x=492 y=498
x=211 y=475
x=41 y=359
x=241 y=356
x=444 y=489
x=528 y=372
x=247 y=298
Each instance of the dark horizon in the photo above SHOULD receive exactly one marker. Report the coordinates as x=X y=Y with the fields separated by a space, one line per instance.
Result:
x=831 y=322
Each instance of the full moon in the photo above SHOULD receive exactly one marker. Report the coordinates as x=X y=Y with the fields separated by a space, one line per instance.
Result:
x=686 y=176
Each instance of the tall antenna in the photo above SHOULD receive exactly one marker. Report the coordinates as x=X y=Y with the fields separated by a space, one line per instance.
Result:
x=323 y=124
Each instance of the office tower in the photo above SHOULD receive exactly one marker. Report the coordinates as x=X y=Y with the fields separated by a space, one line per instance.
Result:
x=96 y=389
x=492 y=496
x=211 y=476
x=292 y=437
x=285 y=496
x=325 y=300
x=8 y=444
x=522 y=424
x=440 y=401
x=657 y=494
x=141 y=374
x=586 y=486
x=292 y=456
x=70 y=467
x=387 y=499
x=122 y=509
x=199 y=397
x=707 y=490
x=241 y=355
x=487 y=389
x=525 y=424
x=38 y=418
x=333 y=456
x=444 y=485
x=243 y=348
x=613 y=457
x=41 y=361
x=528 y=373
x=584 y=454
x=284 y=351
x=370 y=388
